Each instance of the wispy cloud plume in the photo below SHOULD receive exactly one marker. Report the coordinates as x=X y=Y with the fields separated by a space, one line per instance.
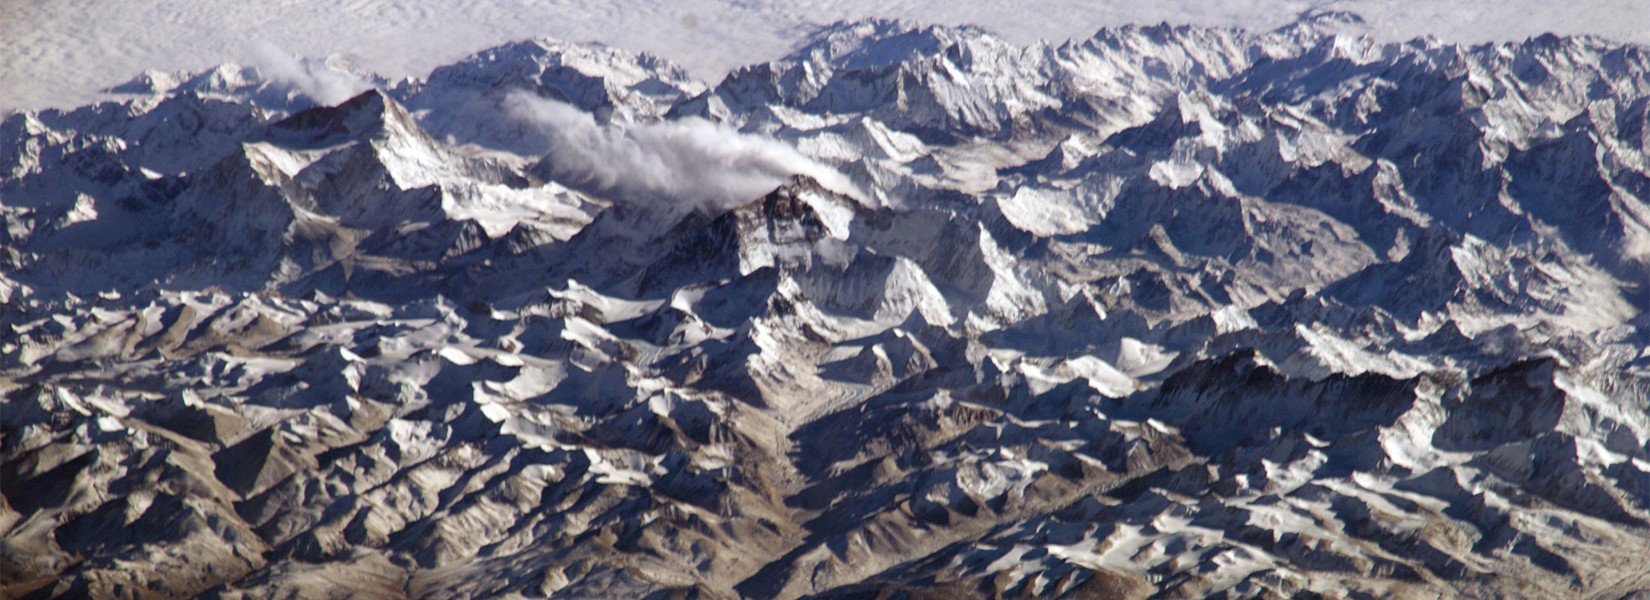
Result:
x=691 y=162
x=313 y=79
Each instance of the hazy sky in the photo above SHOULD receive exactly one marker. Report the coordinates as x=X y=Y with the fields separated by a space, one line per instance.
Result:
x=61 y=52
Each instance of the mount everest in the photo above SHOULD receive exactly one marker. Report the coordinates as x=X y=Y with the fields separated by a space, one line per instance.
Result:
x=913 y=311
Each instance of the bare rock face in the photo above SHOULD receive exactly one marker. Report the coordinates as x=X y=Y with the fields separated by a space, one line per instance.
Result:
x=1167 y=312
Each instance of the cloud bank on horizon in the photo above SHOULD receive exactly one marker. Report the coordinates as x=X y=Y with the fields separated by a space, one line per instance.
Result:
x=65 y=53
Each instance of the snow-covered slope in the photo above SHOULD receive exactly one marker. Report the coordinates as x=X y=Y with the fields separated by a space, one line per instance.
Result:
x=1168 y=311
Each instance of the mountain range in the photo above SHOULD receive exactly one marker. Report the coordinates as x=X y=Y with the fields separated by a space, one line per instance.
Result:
x=912 y=312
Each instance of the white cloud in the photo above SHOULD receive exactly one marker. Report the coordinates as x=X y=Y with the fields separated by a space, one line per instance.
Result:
x=315 y=80
x=692 y=162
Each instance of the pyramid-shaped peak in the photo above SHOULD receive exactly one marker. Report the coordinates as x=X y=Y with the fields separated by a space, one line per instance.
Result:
x=804 y=200
x=369 y=115
x=787 y=202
